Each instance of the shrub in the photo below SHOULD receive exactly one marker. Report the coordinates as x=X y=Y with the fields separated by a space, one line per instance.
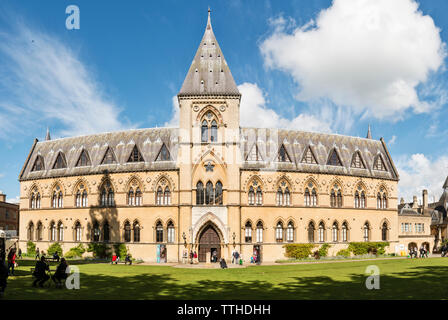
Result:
x=100 y=250
x=323 y=250
x=55 y=247
x=343 y=253
x=298 y=250
x=120 y=250
x=30 y=247
x=75 y=251
x=360 y=248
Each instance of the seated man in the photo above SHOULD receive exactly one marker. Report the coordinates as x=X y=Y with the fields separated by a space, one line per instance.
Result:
x=128 y=259
x=60 y=274
x=56 y=256
x=40 y=272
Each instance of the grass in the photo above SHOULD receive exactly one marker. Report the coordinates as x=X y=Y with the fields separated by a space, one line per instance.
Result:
x=400 y=279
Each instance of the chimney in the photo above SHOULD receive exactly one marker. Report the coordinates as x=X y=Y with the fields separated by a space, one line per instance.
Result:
x=2 y=197
x=425 y=199
x=414 y=202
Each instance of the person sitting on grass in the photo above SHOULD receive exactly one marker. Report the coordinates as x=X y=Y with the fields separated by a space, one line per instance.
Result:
x=61 y=273
x=56 y=256
x=40 y=272
x=3 y=277
x=114 y=259
x=128 y=259
x=223 y=263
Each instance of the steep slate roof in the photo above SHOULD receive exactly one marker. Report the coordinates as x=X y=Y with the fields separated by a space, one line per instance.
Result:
x=269 y=142
x=209 y=72
x=148 y=141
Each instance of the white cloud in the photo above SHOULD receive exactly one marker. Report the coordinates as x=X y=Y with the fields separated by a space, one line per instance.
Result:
x=15 y=200
x=44 y=80
x=367 y=55
x=174 y=121
x=392 y=140
x=254 y=113
x=418 y=172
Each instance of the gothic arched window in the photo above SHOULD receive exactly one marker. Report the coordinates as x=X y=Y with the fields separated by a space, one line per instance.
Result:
x=167 y=196
x=96 y=231
x=290 y=232
x=60 y=231
x=344 y=232
x=251 y=196
x=31 y=231
x=248 y=232
x=366 y=231
x=311 y=230
x=106 y=232
x=78 y=231
x=218 y=193
x=170 y=232
x=259 y=232
x=279 y=232
x=199 y=193
x=127 y=232
x=214 y=132
x=334 y=232
x=384 y=233
x=204 y=131
x=159 y=196
x=209 y=128
x=136 y=228
x=321 y=232
x=39 y=230
x=209 y=193
x=259 y=197
x=159 y=232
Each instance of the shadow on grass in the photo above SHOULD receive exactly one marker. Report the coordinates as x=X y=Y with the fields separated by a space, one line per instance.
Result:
x=421 y=283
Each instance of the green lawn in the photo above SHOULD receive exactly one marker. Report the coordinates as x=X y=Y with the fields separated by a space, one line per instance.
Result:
x=400 y=279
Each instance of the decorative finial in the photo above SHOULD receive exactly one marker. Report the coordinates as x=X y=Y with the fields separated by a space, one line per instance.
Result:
x=48 y=137
x=369 y=134
x=209 y=23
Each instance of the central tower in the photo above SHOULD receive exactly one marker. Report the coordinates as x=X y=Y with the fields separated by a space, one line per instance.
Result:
x=209 y=136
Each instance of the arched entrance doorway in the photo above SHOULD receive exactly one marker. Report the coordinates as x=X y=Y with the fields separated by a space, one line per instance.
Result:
x=412 y=246
x=209 y=241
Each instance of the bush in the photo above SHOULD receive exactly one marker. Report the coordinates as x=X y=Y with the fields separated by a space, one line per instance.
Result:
x=360 y=248
x=344 y=253
x=323 y=250
x=30 y=247
x=99 y=250
x=120 y=250
x=299 y=250
x=55 y=247
x=75 y=252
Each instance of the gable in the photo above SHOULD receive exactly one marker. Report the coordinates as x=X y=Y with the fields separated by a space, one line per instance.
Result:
x=164 y=154
x=109 y=157
x=308 y=156
x=60 y=162
x=357 y=161
x=379 y=164
x=135 y=155
x=254 y=154
x=282 y=155
x=333 y=159
x=83 y=160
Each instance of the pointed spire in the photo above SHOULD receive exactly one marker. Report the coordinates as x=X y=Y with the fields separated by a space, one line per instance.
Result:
x=445 y=185
x=209 y=72
x=369 y=134
x=48 y=137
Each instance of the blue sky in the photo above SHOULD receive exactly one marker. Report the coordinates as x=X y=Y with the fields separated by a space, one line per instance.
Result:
x=125 y=64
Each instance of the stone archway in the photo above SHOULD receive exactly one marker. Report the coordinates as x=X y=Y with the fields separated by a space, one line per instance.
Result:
x=209 y=241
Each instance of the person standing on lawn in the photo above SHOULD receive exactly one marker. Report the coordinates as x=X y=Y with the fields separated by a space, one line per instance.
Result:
x=20 y=253
x=37 y=254
x=11 y=261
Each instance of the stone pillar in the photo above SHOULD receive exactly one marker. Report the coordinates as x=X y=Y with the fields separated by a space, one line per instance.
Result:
x=207 y=258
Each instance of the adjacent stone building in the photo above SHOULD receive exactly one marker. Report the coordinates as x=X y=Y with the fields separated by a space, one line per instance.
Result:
x=209 y=185
x=9 y=216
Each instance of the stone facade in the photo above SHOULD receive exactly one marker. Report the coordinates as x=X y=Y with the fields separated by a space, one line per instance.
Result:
x=9 y=215
x=168 y=186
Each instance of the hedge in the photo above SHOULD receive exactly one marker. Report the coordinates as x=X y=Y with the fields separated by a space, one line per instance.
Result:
x=55 y=247
x=323 y=250
x=30 y=247
x=120 y=250
x=298 y=250
x=360 y=248
x=343 y=253
x=75 y=251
